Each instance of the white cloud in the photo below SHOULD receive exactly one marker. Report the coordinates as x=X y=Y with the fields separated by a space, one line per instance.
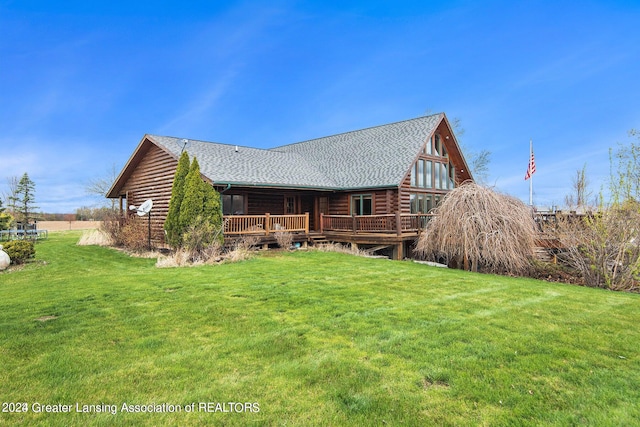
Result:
x=59 y=169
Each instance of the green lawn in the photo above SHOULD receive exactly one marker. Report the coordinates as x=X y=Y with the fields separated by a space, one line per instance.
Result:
x=309 y=338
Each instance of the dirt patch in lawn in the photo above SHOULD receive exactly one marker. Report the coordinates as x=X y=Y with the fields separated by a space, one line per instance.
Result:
x=46 y=318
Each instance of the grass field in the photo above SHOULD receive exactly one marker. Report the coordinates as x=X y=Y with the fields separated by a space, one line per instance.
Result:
x=307 y=338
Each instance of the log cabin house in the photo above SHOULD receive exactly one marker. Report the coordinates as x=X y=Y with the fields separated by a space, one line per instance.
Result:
x=372 y=187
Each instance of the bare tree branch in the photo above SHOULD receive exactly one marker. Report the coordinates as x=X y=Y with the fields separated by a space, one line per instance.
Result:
x=99 y=186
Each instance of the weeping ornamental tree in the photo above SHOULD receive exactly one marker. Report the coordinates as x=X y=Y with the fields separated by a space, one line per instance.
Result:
x=480 y=229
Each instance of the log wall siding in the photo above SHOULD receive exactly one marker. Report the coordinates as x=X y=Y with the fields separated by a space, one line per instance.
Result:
x=383 y=202
x=152 y=179
x=339 y=204
x=403 y=197
x=261 y=203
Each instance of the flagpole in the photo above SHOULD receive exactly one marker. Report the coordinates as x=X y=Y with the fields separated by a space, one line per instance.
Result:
x=531 y=177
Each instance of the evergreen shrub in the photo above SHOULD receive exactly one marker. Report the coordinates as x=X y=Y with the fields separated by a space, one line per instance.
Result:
x=20 y=250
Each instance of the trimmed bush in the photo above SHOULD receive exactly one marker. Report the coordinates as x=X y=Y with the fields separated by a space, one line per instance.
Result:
x=5 y=218
x=20 y=250
x=172 y=223
x=201 y=203
x=212 y=210
x=193 y=201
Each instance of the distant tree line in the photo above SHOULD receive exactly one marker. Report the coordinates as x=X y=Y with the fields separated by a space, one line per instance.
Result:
x=84 y=213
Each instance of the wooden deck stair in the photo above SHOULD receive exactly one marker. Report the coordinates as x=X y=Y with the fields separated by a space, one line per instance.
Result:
x=317 y=239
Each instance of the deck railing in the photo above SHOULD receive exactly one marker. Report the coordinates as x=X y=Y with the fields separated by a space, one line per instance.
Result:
x=415 y=222
x=263 y=225
x=388 y=223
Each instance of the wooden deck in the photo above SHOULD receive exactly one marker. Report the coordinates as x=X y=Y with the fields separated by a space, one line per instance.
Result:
x=392 y=230
x=378 y=231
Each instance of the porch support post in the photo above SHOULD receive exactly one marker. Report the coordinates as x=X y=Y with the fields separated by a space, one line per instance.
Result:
x=398 y=224
x=124 y=211
x=306 y=222
x=398 y=251
x=267 y=229
x=321 y=223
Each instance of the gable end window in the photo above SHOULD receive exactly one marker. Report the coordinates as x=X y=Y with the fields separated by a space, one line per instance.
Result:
x=421 y=174
x=435 y=147
x=428 y=147
x=440 y=149
x=430 y=174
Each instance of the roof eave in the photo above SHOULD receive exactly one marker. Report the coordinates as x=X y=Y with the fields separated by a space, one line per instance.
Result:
x=303 y=187
x=127 y=170
x=457 y=146
x=114 y=190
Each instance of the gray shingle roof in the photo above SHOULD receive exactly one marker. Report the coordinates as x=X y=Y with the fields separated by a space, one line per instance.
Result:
x=373 y=157
x=248 y=166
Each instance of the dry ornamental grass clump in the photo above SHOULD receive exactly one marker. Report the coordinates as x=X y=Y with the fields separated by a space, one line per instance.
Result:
x=95 y=238
x=284 y=239
x=480 y=229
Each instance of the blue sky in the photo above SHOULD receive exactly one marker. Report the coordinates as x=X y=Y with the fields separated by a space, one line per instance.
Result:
x=81 y=82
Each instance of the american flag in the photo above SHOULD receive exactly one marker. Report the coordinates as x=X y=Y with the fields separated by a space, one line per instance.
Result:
x=532 y=167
